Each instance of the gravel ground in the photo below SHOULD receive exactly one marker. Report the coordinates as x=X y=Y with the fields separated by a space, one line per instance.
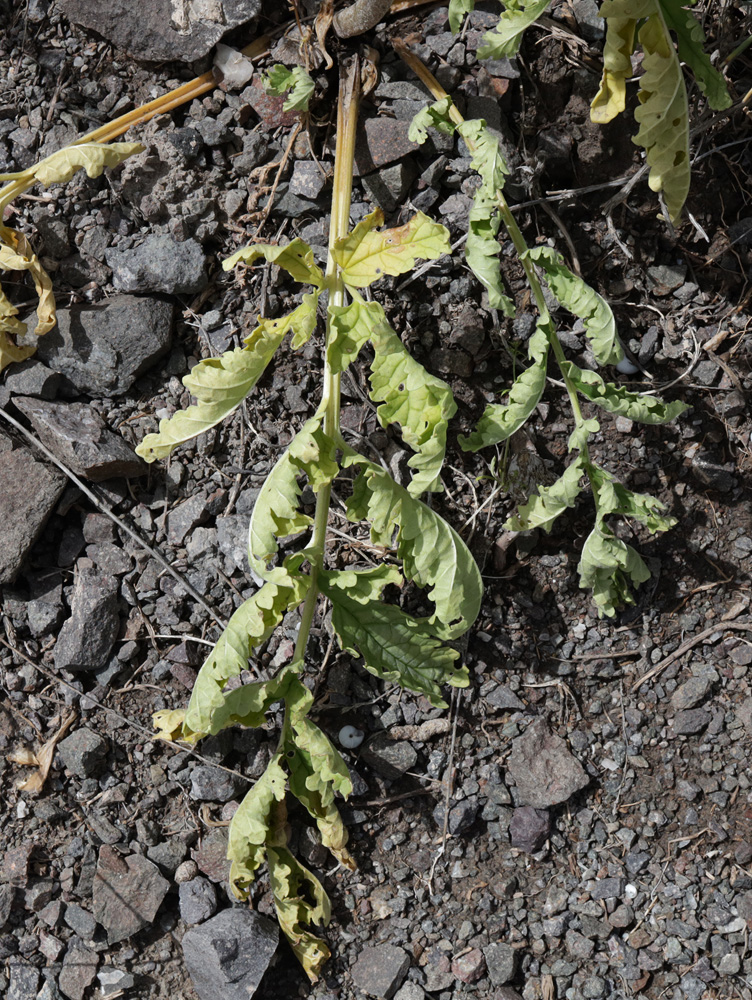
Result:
x=570 y=827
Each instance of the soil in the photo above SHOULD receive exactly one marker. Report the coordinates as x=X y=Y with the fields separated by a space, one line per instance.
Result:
x=668 y=806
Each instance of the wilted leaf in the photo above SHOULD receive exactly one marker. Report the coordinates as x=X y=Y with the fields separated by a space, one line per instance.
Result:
x=300 y=901
x=43 y=758
x=607 y=567
x=296 y=258
x=542 y=510
x=616 y=399
x=611 y=99
x=254 y=825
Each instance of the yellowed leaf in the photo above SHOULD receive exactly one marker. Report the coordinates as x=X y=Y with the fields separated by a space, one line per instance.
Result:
x=43 y=759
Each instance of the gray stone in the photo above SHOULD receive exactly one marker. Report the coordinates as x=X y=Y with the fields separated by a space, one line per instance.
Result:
x=159 y=264
x=710 y=472
x=114 y=981
x=30 y=491
x=309 y=178
x=212 y=784
x=79 y=969
x=379 y=971
x=83 y=753
x=228 y=955
x=504 y=699
x=590 y=24
x=608 y=888
x=24 y=980
x=77 y=436
x=103 y=349
x=87 y=637
x=45 y=609
x=158 y=30
x=544 y=770
x=80 y=921
x=579 y=946
x=688 y=723
x=388 y=757
x=254 y=152
x=410 y=991
x=32 y=378
x=529 y=828
x=501 y=961
x=168 y=855
x=692 y=692
x=127 y=893
x=198 y=900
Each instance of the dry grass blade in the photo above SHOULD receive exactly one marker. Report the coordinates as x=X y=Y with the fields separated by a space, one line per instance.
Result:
x=42 y=759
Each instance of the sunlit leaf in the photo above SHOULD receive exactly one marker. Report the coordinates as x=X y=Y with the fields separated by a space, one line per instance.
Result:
x=366 y=255
x=252 y=826
x=295 y=257
x=93 y=157
x=614 y=498
x=504 y=40
x=611 y=99
x=617 y=399
x=436 y=116
x=607 y=567
x=300 y=902
x=542 y=510
x=280 y=79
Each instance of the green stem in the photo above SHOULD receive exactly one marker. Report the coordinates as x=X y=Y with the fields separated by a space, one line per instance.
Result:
x=347 y=116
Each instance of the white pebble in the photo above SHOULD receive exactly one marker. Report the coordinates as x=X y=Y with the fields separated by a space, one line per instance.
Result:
x=626 y=367
x=351 y=737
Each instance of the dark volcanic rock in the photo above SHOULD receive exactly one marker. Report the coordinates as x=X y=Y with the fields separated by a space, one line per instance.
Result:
x=159 y=264
x=79 y=969
x=127 y=892
x=86 y=639
x=228 y=955
x=83 y=752
x=544 y=770
x=380 y=970
x=77 y=435
x=30 y=490
x=103 y=349
x=529 y=828
x=156 y=30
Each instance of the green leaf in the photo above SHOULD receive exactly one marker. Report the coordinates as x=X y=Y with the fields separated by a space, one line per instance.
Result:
x=611 y=497
x=93 y=157
x=500 y=421
x=296 y=258
x=611 y=99
x=300 y=901
x=280 y=79
x=583 y=429
x=249 y=626
x=583 y=301
x=433 y=553
x=220 y=385
x=504 y=40
x=247 y=705
x=276 y=514
x=607 y=567
x=482 y=247
x=691 y=39
x=542 y=510
x=419 y=402
x=350 y=328
x=458 y=9
x=252 y=826
x=436 y=116
x=363 y=585
x=616 y=399
x=395 y=646
x=366 y=255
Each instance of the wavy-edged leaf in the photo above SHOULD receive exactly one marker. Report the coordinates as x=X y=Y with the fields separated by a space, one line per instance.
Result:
x=583 y=429
x=690 y=41
x=248 y=627
x=607 y=567
x=253 y=826
x=433 y=554
x=16 y=254
x=365 y=255
x=363 y=585
x=295 y=257
x=611 y=98
x=436 y=116
x=663 y=113
x=349 y=329
x=93 y=157
x=419 y=402
x=280 y=79
x=300 y=901
x=583 y=301
x=617 y=399
x=458 y=10
x=542 y=510
x=395 y=646
x=276 y=512
x=220 y=385
x=503 y=41
x=500 y=420
x=612 y=497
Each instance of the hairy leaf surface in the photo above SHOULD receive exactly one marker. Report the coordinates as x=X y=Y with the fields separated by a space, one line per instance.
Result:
x=249 y=626
x=582 y=300
x=395 y=646
x=433 y=553
x=504 y=40
x=366 y=255
x=616 y=399
x=500 y=420
x=280 y=79
x=542 y=510
x=295 y=257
